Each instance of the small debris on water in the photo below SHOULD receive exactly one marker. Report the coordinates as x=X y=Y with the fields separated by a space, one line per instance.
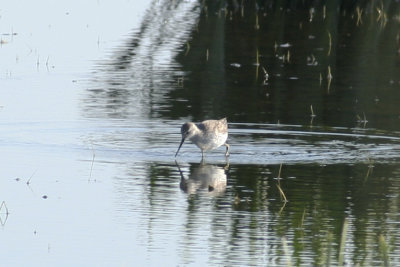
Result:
x=285 y=45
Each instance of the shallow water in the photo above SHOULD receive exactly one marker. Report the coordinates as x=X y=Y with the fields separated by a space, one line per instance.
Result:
x=90 y=116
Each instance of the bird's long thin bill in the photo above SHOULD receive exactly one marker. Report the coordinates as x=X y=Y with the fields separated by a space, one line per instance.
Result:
x=183 y=140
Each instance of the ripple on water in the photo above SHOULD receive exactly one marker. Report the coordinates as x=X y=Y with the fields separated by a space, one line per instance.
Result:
x=259 y=143
x=250 y=144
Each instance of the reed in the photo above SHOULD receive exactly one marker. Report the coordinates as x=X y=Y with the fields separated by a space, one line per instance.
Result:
x=266 y=76
x=362 y=120
x=312 y=112
x=29 y=180
x=282 y=194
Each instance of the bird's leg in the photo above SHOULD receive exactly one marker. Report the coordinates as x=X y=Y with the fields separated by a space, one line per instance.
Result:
x=227 y=150
x=226 y=168
x=202 y=155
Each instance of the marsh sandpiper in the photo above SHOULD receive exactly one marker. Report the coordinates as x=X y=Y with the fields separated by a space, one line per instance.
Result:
x=206 y=135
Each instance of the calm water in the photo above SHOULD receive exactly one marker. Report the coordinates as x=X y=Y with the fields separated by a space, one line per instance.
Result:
x=93 y=95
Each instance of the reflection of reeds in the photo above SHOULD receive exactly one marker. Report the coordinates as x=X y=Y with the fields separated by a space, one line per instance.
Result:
x=382 y=16
x=330 y=44
x=286 y=251
x=3 y=213
x=187 y=48
x=257 y=26
x=384 y=250
x=257 y=63
x=329 y=78
x=329 y=249
x=302 y=219
x=312 y=112
x=359 y=12
x=370 y=169
x=343 y=242
x=320 y=79
x=257 y=58
x=47 y=62
x=311 y=13
x=180 y=81
x=3 y=206
x=91 y=166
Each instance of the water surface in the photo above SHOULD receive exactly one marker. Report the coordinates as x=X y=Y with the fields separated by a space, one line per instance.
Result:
x=92 y=97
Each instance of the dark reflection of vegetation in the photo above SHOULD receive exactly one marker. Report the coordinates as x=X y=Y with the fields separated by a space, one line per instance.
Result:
x=250 y=214
x=301 y=44
x=320 y=198
x=341 y=57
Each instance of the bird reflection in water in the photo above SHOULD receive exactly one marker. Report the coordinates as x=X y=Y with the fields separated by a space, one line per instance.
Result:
x=205 y=177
